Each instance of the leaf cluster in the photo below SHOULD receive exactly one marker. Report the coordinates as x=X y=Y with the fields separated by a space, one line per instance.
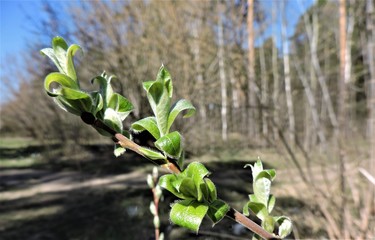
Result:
x=105 y=110
x=262 y=202
x=109 y=107
x=198 y=197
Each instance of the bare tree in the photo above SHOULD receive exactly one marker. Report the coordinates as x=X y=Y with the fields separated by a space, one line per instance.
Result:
x=223 y=84
x=288 y=84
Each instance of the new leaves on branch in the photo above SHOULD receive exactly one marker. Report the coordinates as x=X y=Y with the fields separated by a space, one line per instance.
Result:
x=262 y=202
x=198 y=194
x=105 y=110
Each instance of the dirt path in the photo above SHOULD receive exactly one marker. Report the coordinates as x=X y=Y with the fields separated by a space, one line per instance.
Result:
x=16 y=184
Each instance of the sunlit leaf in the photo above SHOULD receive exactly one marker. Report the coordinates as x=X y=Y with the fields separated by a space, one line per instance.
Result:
x=60 y=80
x=178 y=107
x=171 y=144
x=149 y=124
x=168 y=182
x=285 y=226
x=121 y=105
x=112 y=120
x=153 y=155
x=188 y=214
x=217 y=210
x=188 y=189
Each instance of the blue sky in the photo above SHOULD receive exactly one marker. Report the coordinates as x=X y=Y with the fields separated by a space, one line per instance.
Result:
x=15 y=28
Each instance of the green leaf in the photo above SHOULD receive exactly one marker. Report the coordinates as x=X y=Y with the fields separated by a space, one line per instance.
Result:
x=285 y=226
x=118 y=150
x=160 y=103
x=188 y=214
x=217 y=210
x=67 y=105
x=57 y=53
x=112 y=120
x=159 y=94
x=178 y=107
x=188 y=189
x=97 y=104
x=196 y=170
x=168 y=182
x=165 y=77
x=271 y=203
x=149 y=124
x=153 y=155
x=121 y=105
x=268 y=223
x=257 y=208
x=105 y=87
x=212 y=193
x=61 y=80
x=262 y=189
x=62 y=56
x=170 y=144
x=71 y=72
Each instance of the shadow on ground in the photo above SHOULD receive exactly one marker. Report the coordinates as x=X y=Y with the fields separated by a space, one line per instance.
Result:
x=103 y=197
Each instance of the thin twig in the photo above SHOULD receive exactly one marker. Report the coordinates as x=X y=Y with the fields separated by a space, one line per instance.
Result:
x=367 y=175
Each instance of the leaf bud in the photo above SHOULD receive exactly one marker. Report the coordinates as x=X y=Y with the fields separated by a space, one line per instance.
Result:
x=156 y=222
x=158 y=191
x=152 y=208
x=150 y=181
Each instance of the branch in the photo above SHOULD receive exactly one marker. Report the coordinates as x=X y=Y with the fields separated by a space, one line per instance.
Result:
x=367 y=175
x=174 y=168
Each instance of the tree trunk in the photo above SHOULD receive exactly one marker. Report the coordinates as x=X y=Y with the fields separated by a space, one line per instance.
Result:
x=288 y=84
x=275 y=75
x=223 y=84
x=264 y=91
x=252 y=128
x=342 y=104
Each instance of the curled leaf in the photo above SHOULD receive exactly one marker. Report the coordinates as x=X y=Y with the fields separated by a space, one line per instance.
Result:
x=181 y=105
x=188 y=214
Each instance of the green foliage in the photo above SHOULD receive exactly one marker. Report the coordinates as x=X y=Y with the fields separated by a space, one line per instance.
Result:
x=198 y=194
x=262 y=202
x=159 y=94
x=105 y=105
x=105 y=110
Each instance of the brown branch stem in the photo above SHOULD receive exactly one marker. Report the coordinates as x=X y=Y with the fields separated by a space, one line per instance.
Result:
x=172 y=167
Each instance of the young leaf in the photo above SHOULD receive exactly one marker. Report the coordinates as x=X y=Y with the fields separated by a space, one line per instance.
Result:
x=170 y=144
x=217 y=210
x=268 y=223
x=62 y=56
x=178 y=107
x=168 y=182
x=118 y=150
x=149 y=124
x=188 y=214
x=62 y=81
x=71 y=72
x=105 y=87
x=212 y=193
x=112 y=120
x=160 y=103
x=153 y=155
x=285 y=226
x=271 y=203
x=262 y=189
x=257 y=208
x=121 y=105
x=196 y=170
x=188 y=189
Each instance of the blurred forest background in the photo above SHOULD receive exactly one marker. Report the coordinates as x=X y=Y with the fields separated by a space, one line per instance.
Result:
x=304 y=101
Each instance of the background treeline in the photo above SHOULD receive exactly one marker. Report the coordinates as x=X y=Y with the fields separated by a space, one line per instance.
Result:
x=309 y=94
